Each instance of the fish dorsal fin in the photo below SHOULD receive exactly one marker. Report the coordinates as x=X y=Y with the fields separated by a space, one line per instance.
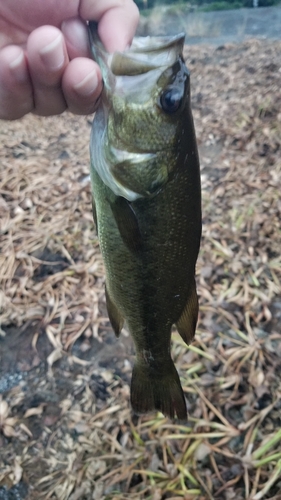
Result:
x=186 y=325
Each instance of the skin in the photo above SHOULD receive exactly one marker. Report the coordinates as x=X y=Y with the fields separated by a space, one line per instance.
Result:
x=149 y=244
x=44 y=53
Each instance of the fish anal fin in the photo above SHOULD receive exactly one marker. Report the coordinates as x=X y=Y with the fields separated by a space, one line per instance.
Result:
x=151 y=392
x=186 y=325
x=115 y=317
x=127 y=224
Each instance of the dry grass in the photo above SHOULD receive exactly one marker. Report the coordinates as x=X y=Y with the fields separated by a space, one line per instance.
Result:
x=66 y=429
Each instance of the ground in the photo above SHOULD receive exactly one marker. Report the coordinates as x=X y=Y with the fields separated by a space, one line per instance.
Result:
x=66 y=427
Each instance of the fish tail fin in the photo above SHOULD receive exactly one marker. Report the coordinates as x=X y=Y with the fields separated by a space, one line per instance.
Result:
x=163 y=393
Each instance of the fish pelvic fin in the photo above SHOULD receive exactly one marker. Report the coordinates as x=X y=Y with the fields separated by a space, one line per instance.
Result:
x=163 y=393
x=186 y=325
x=115 y=317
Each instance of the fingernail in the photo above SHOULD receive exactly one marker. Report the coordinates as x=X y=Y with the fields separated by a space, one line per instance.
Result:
x=53 y=55
x=18 y=68
x=88 y=85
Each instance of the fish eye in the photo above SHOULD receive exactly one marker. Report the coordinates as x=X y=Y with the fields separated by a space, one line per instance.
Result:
x=171 y=100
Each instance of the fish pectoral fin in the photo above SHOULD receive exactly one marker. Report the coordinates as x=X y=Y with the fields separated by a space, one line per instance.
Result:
x=127 y=224
x=115 y=317
x=150 y=392
x=186 y=325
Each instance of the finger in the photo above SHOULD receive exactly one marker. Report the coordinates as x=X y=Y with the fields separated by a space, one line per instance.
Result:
x=47 y=60
x=16 y=97
x=117 y=20
x=82 y=85
x=76 y=38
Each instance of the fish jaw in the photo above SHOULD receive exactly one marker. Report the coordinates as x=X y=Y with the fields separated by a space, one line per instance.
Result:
x=144 y=55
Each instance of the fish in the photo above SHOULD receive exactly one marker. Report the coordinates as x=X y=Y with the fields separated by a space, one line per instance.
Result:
x=145 y=178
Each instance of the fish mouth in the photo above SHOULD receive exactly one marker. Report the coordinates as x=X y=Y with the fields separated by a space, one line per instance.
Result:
x=145 y=54
x=148 y=44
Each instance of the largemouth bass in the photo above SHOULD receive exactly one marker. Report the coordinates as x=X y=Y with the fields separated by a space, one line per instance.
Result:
x=147 y=207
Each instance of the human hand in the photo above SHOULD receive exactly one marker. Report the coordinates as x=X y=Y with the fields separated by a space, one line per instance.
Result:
x=45 y=64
